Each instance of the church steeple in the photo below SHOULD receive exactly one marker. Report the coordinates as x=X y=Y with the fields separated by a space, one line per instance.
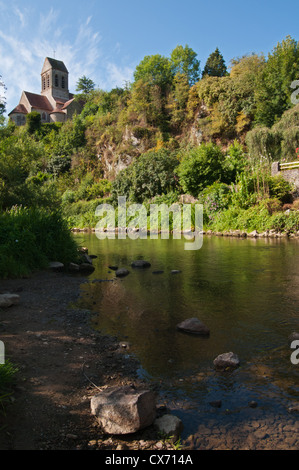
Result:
x=54 y=80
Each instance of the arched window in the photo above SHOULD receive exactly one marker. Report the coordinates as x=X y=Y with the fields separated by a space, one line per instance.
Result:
x=62 y=82
x=48 y=81
x=56 y=81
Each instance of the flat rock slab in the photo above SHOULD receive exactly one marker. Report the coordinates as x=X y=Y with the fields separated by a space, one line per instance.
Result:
x=56 y=266
x=140 y=263
x=194 y=326
x=226 y=361
x=124 y=410
x=7 y=300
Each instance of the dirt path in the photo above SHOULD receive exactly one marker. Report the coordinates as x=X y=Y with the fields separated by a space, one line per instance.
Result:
x=60 y=361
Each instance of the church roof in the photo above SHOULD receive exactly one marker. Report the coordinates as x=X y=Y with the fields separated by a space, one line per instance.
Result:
x=57 y=64
x=20 y=109
x=38 y=101
x=67 y=103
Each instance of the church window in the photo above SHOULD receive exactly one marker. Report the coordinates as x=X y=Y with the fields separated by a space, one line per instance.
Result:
x=56 y=80
x=48 y=81
x=62 y=82
x=44 y=83
x=44 y=116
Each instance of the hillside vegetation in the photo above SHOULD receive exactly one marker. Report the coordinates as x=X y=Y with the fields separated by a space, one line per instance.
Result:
x=174 y=130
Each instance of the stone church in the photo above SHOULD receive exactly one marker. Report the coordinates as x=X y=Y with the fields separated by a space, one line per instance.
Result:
x=55 y=103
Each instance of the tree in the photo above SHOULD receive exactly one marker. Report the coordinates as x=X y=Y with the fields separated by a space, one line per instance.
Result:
x=150 y=175
x=155 y=70
x=85 y=85
x=33 y=121
x=273 y=87
x=2 y=99
x=215 y=65
x=200 y=167
x=184 y=61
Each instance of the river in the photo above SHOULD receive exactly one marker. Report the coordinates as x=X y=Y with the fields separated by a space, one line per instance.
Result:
x=245 y=290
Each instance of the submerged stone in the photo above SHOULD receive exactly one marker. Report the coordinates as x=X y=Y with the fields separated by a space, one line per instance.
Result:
x=140 y=263
x=122 y=272
x=226 y=361
x=194 y=326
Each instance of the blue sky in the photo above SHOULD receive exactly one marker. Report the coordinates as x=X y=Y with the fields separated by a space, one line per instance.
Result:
x=105 y=40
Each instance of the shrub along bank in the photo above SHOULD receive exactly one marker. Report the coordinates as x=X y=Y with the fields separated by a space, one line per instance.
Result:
x=31 y=238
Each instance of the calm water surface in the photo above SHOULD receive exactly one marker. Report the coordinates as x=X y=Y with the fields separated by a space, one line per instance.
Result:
x=246 y=291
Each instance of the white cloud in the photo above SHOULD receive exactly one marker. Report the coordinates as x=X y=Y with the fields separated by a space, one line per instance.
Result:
x=23 y=50
x=21 y=16
x=118 y=76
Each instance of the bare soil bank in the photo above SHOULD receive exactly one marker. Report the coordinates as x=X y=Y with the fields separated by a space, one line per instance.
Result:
x=62 y=361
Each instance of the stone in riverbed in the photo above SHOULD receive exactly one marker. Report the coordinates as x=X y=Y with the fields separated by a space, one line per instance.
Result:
x=194 y=326
x=56 y=266
x=170 y=426
x=293 y=336
x=124 y=410
x=226 y=361
x=7 y=300
x=140 y=263
x=113 y=267
x=122 y=272
x=86 y=268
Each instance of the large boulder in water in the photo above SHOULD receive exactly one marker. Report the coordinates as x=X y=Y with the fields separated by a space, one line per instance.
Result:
x=124 y=410
x=194 y=326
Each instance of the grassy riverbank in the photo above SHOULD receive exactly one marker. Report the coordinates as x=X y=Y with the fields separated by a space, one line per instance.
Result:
x=31 y=238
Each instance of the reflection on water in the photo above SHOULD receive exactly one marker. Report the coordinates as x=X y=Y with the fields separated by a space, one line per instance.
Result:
x=245 y=291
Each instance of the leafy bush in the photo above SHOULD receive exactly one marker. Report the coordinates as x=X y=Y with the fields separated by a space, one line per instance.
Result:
x=215 y=198
x=30 y=238
x=200 y=167
x=150 y=175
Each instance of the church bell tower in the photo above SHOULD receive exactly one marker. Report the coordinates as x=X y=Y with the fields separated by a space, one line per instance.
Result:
x=54 y=80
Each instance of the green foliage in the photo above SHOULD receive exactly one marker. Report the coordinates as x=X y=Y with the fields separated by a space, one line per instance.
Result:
x=7 y=375
x=273 y=87
x=184 y=61
x=215 y=65
x=235 y=162
x=215 y=198
x=59 y=164
x=154 y=70
x=30 y=238
x=263 y=145
x=199 y=168
x=85 y=85
x=150 y=175
x=20 y=158
x=2 y=99
x=33 y=121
